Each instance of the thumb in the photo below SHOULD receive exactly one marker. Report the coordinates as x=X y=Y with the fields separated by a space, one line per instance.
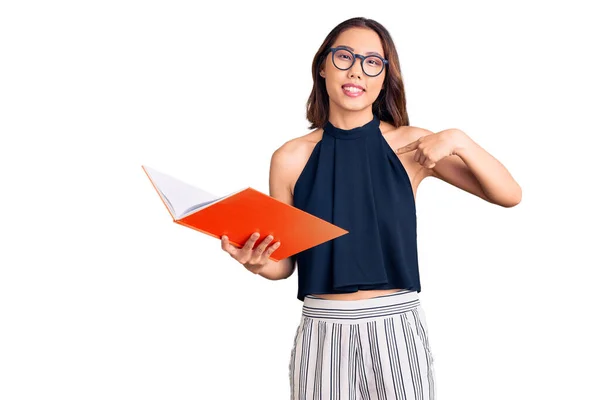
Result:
x=228 y=247
x=409 y=147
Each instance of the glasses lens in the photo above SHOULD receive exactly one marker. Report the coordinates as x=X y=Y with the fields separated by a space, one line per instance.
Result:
x=342 y=59
x=372 y=65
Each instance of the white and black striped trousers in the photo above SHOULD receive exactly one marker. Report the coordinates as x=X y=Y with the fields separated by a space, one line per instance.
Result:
x=375 y=349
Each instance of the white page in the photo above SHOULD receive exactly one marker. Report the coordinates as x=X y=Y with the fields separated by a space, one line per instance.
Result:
x=179 y=195
x=200 y=206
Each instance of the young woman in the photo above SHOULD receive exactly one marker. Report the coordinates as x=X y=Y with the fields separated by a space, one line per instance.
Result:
x=362 y=332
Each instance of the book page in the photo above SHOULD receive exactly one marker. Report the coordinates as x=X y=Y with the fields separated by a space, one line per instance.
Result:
x=200 y=206
x=180 y=196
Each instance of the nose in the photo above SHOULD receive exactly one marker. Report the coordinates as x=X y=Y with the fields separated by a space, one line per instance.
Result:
x=355 y=69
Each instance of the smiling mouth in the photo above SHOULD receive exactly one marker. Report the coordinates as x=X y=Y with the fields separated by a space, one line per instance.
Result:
x=352 y=91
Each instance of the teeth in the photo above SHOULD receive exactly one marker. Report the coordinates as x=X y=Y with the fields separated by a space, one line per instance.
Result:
x=352 y=89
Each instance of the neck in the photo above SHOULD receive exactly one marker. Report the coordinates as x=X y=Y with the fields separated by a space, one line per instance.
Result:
x=345 y=119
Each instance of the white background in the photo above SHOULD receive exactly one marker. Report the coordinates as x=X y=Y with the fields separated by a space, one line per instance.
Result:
x=103 y=297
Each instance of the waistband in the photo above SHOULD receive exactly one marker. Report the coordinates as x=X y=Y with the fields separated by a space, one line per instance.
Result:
x=380 y=306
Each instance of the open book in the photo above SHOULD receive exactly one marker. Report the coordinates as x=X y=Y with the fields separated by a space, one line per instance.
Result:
x=239 y=214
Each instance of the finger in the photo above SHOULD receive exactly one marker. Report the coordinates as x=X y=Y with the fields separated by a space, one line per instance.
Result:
x=228 y=247
x=271 y=249
x=408 y=147
x=263 y=245
x=250 y=242
x=417 y=155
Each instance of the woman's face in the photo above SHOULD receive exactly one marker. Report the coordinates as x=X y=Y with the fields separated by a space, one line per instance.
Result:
x=359 y=41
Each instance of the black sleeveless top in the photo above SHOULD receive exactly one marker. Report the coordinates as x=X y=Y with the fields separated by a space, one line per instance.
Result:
x=355 y=180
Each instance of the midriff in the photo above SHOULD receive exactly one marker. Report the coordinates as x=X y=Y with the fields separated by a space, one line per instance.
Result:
x=359 y=295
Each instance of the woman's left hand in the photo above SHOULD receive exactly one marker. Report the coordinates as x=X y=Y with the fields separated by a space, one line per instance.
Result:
x=433 y=147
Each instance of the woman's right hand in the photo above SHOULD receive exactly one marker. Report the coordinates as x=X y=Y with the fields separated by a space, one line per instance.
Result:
x=254 y=260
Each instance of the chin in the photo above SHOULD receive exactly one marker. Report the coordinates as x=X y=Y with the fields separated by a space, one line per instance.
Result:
x=354 y=105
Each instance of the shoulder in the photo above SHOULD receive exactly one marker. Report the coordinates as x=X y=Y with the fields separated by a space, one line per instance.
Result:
x=295 y=150
x=404 y=135
x=289 y=159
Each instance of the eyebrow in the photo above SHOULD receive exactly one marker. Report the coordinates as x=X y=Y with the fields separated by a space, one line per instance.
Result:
x=367 y=53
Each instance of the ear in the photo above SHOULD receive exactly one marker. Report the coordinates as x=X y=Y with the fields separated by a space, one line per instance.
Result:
x=322 y=73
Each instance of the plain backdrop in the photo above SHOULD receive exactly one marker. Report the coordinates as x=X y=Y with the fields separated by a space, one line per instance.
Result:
x=102 y=296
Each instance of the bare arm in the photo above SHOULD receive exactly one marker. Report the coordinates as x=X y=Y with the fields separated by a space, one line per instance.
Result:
x=452 y=156
x=476 y=171
x=280 y=188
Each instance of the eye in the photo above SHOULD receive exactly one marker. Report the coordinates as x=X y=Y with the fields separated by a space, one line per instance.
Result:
x=343 y=55
x=373 y=61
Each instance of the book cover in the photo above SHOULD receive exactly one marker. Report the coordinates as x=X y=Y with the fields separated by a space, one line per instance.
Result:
x=242 y=213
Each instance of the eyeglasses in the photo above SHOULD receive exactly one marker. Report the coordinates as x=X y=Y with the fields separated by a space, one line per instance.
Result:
x=343 y=59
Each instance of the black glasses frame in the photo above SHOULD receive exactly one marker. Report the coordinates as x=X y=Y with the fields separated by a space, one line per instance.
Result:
x=354 y=57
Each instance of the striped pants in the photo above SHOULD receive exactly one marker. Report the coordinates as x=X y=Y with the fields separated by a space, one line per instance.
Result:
x=375 y=348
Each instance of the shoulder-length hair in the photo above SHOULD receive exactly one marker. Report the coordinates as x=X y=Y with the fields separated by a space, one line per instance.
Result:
x=390 y=105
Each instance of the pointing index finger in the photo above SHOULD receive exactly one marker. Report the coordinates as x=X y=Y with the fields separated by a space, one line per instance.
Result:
x=409 y=147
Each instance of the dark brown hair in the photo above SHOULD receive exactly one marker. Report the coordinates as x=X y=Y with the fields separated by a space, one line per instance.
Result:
x=390 y=105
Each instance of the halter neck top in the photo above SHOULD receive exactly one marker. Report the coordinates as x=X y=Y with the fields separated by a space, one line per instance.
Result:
x=353 y=179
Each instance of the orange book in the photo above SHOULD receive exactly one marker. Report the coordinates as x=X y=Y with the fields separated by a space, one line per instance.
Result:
x=242 y=213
